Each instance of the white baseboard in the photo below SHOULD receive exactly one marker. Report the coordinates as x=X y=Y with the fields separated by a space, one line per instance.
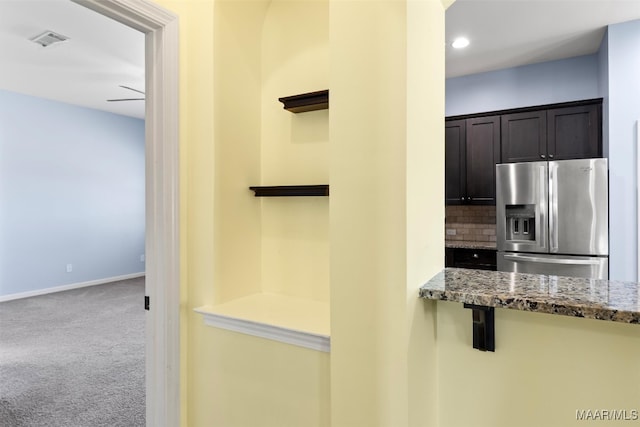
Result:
x=45 y=291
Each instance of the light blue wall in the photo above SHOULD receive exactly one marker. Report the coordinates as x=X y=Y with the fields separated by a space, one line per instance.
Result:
x=537 y=84
x=623 y=64
x=71 y=192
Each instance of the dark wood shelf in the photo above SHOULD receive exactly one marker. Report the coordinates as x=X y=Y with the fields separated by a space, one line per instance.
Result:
x=306 y=102
x=291 y=190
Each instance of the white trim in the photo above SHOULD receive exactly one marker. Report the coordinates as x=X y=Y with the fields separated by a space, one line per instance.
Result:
x=299 y=338
x=162 y=201
x=54 y=289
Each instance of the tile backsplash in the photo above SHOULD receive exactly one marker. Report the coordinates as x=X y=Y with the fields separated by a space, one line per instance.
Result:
x=470 y=223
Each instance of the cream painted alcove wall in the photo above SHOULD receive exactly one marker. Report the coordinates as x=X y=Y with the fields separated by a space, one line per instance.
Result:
x=380 y=219
x=276 y=246
x=262 y=50
x=386 y=218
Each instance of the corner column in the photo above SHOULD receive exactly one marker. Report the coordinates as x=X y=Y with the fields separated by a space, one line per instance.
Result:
x=387 y=209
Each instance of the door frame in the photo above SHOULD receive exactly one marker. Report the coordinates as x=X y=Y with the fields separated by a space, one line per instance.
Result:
x=162 y=201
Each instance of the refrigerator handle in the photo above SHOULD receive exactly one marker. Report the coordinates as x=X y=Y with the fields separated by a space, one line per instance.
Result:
x=553 y=207
x=527 y=258
x=541 y=209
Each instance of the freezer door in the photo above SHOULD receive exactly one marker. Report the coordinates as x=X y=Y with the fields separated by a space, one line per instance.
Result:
x=521 y=207
x=578 y=207
x=574 y=266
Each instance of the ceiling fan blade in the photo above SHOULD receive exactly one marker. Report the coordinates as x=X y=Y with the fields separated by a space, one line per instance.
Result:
x=125 y=99
x=130 y=88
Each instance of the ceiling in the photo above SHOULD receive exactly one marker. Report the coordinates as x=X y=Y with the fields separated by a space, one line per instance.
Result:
x=85 y=70
x=102 y=54
x=508 y=33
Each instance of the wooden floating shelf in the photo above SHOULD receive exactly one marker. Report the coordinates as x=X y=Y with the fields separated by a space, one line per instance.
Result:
x=306 y=102
x=291 y=190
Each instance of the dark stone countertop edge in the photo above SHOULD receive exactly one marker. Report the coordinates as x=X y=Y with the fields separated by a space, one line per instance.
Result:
x=558 y=307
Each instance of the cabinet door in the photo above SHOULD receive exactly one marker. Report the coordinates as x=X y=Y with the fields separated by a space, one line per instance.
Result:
x=479 y=259
x=574 y=132
x=454 y=155
x=449 y=258
x=524 y=137
x=483 y=152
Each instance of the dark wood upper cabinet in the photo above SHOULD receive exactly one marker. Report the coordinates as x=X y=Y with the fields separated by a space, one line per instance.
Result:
x=483 y=152
x=574 y=132
x=454 y=158
x=475 y=143
x=553 y=133
x=472 y=149
x=524 y=137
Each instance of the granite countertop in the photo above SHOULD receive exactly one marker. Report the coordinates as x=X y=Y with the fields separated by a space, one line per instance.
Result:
x=568 y=296
x=466 y=244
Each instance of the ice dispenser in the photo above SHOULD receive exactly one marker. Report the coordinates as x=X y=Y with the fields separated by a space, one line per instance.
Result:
x=520 y=222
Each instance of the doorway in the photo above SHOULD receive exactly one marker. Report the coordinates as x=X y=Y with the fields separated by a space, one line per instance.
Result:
x=162 y=221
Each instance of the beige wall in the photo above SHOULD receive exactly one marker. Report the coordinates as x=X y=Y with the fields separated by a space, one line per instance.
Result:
x=196 y=197
x=224 y=232
x=295 y=149
x=244 y=381
x=237 y=58
x=545 y=367
x=386 y=59
x=237 y=121
x=228 y=78
x=396 y=361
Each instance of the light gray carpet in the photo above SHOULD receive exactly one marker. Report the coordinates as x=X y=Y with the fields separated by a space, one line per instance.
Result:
x=74 y=358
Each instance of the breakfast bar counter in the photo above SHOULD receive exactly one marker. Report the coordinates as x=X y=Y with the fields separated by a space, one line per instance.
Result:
x=569 y=296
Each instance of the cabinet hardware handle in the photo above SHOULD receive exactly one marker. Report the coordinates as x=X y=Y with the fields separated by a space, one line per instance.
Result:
x=543 y=156
x=462 y=198
x=527 y=258
x=475 y=255
x=551 y=156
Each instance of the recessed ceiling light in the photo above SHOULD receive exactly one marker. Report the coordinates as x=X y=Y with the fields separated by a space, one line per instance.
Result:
x=460 y=43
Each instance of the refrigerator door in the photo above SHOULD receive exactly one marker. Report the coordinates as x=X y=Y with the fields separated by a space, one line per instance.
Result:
x=558 y=265
x=521 y=207
x=578 y=207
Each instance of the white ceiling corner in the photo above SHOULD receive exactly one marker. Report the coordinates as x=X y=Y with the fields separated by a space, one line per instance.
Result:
x=85 y=70
x=509 y=33
x=102 y=54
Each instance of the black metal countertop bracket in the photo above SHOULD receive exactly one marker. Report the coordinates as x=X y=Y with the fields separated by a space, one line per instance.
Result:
x=483 y=327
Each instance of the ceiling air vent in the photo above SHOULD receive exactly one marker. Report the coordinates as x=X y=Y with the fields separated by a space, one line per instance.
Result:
x=48 y=38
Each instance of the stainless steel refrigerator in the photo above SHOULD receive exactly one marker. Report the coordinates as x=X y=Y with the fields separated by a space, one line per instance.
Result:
x=553 y=217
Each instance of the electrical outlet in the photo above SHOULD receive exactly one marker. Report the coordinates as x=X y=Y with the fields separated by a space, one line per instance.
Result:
x=69 y=268
x=142 y=258
x=451 y=231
